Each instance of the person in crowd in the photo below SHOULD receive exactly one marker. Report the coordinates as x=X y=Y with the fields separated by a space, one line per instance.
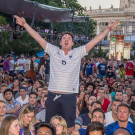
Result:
x=32 y=102
x=30 y=85
x=81 y=88
x=129 y=69
x=20 y=77
x=123 y=113
x=121 y=71
x=102 y=69
x=111 y=116
x=1 y=63
x=67 y=57
x=27 y=64
x=6 y=64
x=11 y=64
x=44 y=128
x=10 y=126
x=89 y=68
x=85 y=104
x=91 y=99
x=21 y=64
x=44 y=94
x=27 y=119
x=11 y=104
x=132 y=98
x=23 y=98
x=90 y=87
x=97 y=116
x=118 y=96
x=41 y=68
x=110 y=70
x=132 y=110
x=3 y=87
x=83 y=119
x=121 y=131
x=31 y=74
x=6 y=79
x=39 y=90
x=95 y=128
x=129 y=91
x=47 y=68
x=101 y=97
x=16 y=87
x=60 y=124
x=3 y=110
x=125 y=98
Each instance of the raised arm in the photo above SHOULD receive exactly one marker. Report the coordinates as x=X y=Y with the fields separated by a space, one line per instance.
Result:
x=98 y=38
x=21 y=21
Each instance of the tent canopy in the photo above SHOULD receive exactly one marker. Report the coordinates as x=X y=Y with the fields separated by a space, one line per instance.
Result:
x=28 y=9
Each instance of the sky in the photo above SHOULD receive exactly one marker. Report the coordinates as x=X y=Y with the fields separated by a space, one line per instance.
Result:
x=95 y=3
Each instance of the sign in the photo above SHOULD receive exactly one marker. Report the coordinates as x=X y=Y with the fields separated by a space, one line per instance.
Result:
x=127 y=50
x=119 y=47
x=112 y=46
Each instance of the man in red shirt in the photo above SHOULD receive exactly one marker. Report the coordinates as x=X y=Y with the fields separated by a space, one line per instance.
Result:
x=129 y=69
x=101 y=97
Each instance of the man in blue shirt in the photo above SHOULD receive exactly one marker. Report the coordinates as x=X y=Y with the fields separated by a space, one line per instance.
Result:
x=123 y=114
x=89 y=68
x=102 y=69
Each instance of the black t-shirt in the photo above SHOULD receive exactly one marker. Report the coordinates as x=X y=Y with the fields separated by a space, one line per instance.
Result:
x=110 y=73
x=47 y=66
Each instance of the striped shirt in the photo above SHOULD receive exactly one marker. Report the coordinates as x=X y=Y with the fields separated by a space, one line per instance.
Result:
x=64 y=69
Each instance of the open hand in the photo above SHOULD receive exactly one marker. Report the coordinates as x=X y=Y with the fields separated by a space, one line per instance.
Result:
x=20 y=20
x=112 y=26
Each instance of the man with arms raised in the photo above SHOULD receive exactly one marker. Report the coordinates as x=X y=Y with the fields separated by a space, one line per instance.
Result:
x=64 y=71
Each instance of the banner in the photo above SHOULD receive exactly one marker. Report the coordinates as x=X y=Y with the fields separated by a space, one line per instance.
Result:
x=119 y=47
x=127 y=50
x=112 y=46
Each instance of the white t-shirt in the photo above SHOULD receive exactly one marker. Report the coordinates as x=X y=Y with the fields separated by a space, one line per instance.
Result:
x=19 y=99
x=12 y=63
x=21 y=61
x=109 y=119
x=64 y=69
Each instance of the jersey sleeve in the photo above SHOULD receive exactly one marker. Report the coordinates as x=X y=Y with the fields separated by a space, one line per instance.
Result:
x=50 y=49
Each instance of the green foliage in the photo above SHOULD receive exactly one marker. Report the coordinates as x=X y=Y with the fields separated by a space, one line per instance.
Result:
x=25 y=44
x=3 y=20
x=98 y=53
x=5 y=47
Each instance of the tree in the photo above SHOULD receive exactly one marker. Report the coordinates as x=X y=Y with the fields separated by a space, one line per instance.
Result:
x=5 y=41
x=25 y=44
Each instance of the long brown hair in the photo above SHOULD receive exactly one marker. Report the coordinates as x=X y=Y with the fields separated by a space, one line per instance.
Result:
x=4 y=130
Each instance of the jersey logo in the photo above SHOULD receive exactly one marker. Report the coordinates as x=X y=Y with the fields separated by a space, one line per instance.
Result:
x=56 y=97
x=63 y=62
x=70 y=56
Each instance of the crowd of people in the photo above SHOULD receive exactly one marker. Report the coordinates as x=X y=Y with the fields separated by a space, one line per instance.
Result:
x=106 y=95
x=66 y=92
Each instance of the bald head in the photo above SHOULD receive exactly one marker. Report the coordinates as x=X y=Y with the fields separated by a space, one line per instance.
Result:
x=121 y=131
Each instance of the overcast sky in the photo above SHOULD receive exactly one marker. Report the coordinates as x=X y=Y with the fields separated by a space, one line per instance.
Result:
x=95 y=3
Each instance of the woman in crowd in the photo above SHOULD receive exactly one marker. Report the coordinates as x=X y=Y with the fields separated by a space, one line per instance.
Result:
x=16 y=87
x=10 y=126
x=27 y=119
x=41 y=68
x=31 y=74
x=85 y=103
x=60 y=124
x=81 y=88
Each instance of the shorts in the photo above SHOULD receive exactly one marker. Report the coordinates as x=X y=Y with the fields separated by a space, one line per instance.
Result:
x=63 y=105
